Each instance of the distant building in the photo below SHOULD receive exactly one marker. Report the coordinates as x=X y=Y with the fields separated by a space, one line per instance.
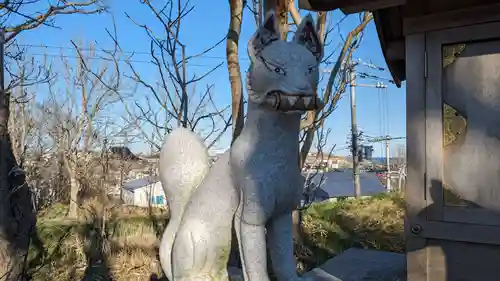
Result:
x=323 y=161
x=144 y=192
x=122 y=152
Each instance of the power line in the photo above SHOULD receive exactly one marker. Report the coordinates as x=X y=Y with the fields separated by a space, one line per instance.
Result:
x=369 y=64
x=129 y=60
x=110 y=51
x=111 y=60
x=69 y=48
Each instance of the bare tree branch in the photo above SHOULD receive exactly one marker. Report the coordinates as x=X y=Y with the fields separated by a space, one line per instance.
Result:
x=171 y=92
x=28 y=22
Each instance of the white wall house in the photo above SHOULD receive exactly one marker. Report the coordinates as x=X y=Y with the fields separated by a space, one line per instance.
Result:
x=144 y=192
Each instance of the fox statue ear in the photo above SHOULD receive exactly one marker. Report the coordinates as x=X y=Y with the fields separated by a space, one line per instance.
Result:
x=307 y=36
x=264 y=35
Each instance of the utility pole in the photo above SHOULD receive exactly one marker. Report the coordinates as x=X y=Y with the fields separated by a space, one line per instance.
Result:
x=351 y=67
x=123 y=159
x=388 y=164
x=387 y=140
x=354 y=126
x=354 y=132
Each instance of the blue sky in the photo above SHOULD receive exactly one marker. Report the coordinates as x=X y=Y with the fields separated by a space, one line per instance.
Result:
x=207 y=24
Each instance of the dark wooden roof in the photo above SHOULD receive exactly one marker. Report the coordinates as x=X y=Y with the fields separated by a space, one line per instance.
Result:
x=348 y=6
x=389 y=24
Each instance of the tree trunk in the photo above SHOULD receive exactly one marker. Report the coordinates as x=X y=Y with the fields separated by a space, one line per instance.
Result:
x=73 y=197
x=74 y=188
x=233 y=67
x=17 y=217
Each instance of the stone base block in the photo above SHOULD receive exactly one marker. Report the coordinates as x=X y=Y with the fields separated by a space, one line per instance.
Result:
x=361 y=265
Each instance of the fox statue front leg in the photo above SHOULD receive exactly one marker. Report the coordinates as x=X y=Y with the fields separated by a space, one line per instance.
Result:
x=250 y=226
x=280 y=245
x=261 y=210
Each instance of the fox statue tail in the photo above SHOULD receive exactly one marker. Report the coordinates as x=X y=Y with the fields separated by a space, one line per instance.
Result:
x=184 y=163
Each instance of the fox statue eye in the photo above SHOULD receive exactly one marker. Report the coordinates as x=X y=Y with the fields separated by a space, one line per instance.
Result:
x=271 y=67
x=279 y=70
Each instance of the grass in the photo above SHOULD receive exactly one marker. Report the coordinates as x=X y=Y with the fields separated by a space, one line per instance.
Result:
x=372 y=223
x=125 y=238
x=121 y=243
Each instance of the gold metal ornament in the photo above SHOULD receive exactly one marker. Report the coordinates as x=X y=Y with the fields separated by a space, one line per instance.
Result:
x=454 y=124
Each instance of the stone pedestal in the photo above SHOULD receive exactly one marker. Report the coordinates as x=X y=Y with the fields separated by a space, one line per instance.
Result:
x=353 y=265
x=362 y=265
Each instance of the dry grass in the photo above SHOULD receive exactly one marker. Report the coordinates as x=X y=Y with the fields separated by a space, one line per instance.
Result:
x=127 y=238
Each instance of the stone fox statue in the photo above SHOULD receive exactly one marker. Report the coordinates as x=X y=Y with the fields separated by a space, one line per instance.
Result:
x=255 y=185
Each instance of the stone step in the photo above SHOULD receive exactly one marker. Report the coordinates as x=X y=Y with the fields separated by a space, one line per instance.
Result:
x=361 y=265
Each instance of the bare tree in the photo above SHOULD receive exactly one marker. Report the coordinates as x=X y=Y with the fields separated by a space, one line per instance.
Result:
x=21 y=121
x=74 y=119
x=332 y=93
x=233 y=64
x=17 y=217
x=31 y=146
x=336 y=84
x=25 y=15
x=174 y=100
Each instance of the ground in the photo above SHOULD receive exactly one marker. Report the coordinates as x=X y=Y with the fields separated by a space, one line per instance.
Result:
x=120 y=243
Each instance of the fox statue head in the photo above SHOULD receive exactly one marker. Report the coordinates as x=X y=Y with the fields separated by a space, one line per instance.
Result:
x=283 y=75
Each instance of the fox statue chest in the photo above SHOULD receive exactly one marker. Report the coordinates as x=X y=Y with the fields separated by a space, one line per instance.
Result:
x=268 y=173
